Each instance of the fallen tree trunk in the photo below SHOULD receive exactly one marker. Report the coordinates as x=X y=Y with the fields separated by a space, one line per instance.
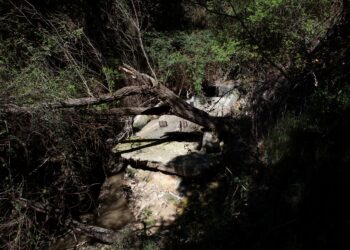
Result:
x=129 y=111
x=107 y=98
x=14 y=109
x=172 y=104
x=79 y=102
x=180 y=107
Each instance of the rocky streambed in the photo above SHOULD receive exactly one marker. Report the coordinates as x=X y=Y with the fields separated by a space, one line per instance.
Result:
x=145 y=196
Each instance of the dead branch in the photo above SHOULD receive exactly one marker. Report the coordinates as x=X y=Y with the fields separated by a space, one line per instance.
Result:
x=100 y=233
x=129 y=111
x=79 y=102
x=142 y=78
x=147 y=86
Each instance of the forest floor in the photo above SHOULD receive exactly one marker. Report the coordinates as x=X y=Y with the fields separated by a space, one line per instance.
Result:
x=136 y=202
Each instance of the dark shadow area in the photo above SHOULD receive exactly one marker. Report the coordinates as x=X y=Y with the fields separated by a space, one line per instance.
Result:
x=169 y=137
x=290 y=192
x=297 y=202
x=184 y=136
x=305 y=205
x=51 y=175
x=196 y=164
x=135 y=144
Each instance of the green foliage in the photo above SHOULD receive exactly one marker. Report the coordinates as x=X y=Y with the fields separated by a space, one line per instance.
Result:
x=45 y=62
x=261 y=9
x=328 y=101
x=281 y=30
x=150 y=245
x=279 y=139
x=284 y=28
x=112 y=76
x=324 y=107
x=192 y=52
x=36 y=83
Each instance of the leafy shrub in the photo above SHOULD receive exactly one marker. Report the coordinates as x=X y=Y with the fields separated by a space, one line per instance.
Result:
x=324 y=107
x=46 y=59
x=286 y=28
x=191 y=52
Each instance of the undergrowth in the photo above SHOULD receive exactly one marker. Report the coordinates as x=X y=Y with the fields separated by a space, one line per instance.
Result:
x=51 y=166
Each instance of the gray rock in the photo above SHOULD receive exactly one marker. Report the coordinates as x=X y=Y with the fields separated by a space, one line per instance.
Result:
x=210 y=143
x=223 y=106
x=223 y=89
x=198 y=102
x=153 y=131
x=174 y=157
x=169 y=149
x=140 y=121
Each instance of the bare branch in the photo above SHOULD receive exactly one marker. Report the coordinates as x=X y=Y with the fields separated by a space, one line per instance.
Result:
x=133 y=16
x=100 y=233
x=107 y=98
x=130 y=111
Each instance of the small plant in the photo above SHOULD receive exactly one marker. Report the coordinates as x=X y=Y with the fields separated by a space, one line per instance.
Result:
x=147 y=218
x=146 y=214
x=171 y=198
x=149 y=245
x=131 y=172
x=112 y=76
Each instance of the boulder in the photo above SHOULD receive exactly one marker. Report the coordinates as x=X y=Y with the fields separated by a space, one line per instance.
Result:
x=153 y=130
x=172 y=148
x=175 y=157
x=223 y=106
x=140 y=121
x=210 y=143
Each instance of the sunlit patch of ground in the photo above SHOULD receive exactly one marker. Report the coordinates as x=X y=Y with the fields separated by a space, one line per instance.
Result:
x=156 y=200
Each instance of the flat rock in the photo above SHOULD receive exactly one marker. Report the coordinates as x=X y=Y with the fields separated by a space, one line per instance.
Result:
x=220 y=105
x=140 y=121
x=175 y=157
x=223 y=106
x=172 y=148
x=153 y=130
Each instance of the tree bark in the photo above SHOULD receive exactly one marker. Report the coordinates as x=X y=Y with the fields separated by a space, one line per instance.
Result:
x=13 y=109
x=130 y=111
